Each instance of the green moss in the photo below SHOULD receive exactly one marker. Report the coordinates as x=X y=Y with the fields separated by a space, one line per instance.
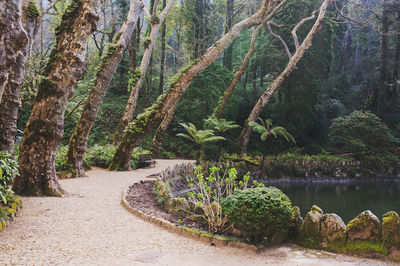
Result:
x=391 y=229
x=68 y=17
x=360 y=248
x=117 y=37
x=182 y=71
x=32 y=11
x=155 y=20
x=146 y=42
x=315 y=208
x=134 y=77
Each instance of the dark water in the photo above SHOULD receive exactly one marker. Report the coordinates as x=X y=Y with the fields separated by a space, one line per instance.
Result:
x=345 y=199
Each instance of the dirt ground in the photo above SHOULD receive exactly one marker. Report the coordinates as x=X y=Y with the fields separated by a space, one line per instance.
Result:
x=90 y=227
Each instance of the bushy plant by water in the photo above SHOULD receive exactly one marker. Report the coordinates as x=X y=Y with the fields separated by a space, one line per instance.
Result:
x=361 y=132
x=208 y=191
x=258 y=212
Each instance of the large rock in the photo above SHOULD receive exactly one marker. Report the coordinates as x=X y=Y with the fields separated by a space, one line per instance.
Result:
x=309 y=234
x=365 y=227
x=391 y=230
x=333 y=230
x=295 y=222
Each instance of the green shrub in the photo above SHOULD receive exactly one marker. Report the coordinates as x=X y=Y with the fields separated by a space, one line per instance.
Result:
x=361 y=132
x=259 y=212
x=8 y=168
x=101 y=155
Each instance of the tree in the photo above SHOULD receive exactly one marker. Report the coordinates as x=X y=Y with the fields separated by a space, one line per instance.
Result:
x=266 y=131
x=300 y=50
x=220 y=126
x=45 y=126
x=13 y=39
x=230 y=10
x=198 y=137
x=152 y=116
x=106 y=70
x=10 y=101
x=156 y=22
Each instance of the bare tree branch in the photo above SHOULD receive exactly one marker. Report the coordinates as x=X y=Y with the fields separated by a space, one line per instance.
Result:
x=294 y=34
x=280 y=39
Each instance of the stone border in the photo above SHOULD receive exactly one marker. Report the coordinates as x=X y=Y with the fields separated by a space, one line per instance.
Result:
x=184 y=231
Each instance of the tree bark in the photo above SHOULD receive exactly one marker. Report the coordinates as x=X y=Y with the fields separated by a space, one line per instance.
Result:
x=45 y=126
x=230 y=4
x=135 y=87
x=9 y=104
x=108 y=66
x=162 y=59
x=264 y=98
x=158 y=138
x=152 y=116
x=396 y=68
x=13 y=39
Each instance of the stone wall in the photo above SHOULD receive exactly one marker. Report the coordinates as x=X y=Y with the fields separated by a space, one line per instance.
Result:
x=364 y=235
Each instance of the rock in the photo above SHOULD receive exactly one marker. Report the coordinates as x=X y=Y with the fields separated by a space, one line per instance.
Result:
x=391 y=230
x=333 y=230
x=309 y=234
x=295 y=222
x=365 y=227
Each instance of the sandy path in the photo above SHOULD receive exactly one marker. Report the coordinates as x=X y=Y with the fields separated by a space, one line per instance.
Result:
x=90 y=227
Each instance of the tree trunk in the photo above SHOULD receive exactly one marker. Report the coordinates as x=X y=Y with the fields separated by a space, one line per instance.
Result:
x=264 y=98
x=230 y=4
x=13 y=39
x=108 y=66
x=152 y=116
x=162 y=59
x=45 y=126
x=9 y=104
x=135 y=87
x=161 y=131
x=228 y=93
x=396 y=68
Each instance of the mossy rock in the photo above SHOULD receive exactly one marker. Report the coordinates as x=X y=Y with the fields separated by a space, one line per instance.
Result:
x=391 y=230
x=365 y=227
x=295 y=222
x=333 y=230
x=310 y=231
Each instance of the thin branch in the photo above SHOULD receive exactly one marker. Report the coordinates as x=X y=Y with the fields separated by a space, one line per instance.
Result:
x=280 y=39
x=294 y=34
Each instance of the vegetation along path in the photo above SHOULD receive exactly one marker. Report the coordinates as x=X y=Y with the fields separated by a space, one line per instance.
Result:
x=89 y=226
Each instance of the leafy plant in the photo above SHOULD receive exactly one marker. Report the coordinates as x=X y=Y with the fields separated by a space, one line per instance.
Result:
x=198 y=137
x=8 y=168
x=266 y=130
x=207 y=193
x=361 y=132
x=220 y=126
x=259 y=212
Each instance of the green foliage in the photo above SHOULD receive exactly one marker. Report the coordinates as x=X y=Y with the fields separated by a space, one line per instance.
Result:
x=264 y=128
x=259 y=212
x=361 y=132
x=8 y=168
x=220 y=125
x=198 y=137
x=32 y=10
x=208 y=191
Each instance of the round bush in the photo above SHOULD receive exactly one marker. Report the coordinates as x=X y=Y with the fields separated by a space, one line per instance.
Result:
x=259 y=212
x=361 y=132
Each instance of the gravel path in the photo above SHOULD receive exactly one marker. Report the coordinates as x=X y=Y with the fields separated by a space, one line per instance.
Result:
x=90 y=227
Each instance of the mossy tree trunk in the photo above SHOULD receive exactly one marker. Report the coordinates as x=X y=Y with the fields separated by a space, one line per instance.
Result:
x=108 y=66
x=156 y=22
x=9 y=103
x=13 y=39
x=158 y=138
x=300 y=50
x=45 y=126
x=396 y=68
x=153 y=115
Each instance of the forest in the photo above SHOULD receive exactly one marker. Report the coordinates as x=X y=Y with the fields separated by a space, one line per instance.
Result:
x=99 y=82
x=241 y=115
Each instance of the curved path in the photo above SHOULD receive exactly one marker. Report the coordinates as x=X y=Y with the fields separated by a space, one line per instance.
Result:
x=90 y=227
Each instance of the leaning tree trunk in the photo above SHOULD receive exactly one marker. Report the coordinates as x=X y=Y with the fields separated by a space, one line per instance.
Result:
x=108 y=66
x=162 y=59
x=163 y=127
x=300 y=50
x=396 y=68
x=9 y=104
x=45 y=126
x=152 y=116
x=127 y=117
x=12 y=40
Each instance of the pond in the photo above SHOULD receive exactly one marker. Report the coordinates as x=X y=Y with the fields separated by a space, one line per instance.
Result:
x=345 y=198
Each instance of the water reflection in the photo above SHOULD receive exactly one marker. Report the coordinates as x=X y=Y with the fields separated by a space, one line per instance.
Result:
x=346 y=200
